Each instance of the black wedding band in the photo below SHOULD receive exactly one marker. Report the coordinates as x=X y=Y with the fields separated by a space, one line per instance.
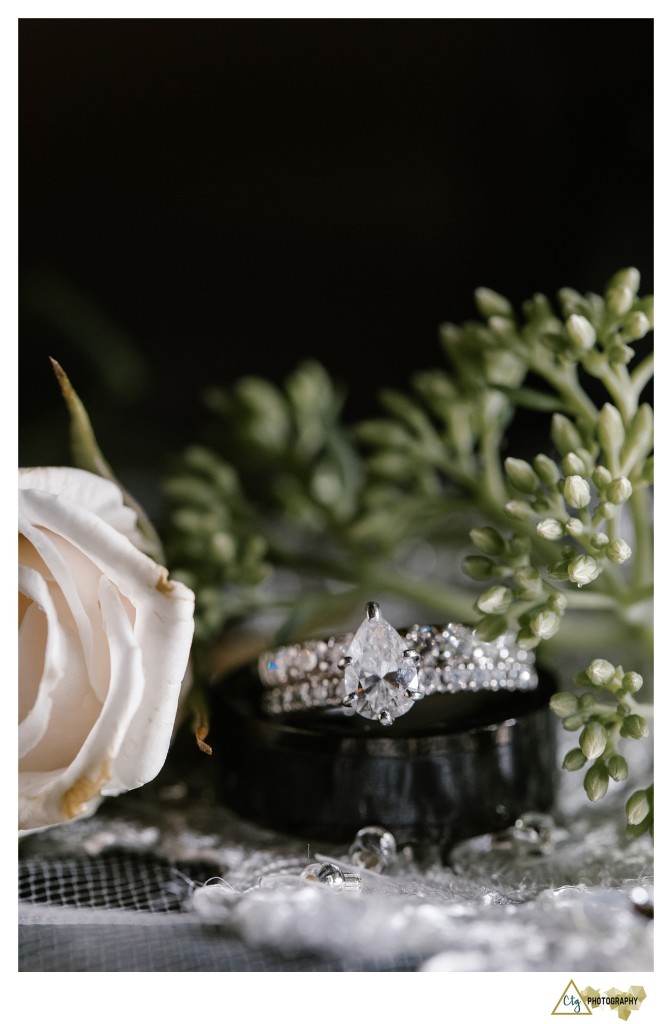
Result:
x=461 y=765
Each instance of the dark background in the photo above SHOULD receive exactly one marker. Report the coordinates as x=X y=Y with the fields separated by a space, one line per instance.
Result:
x=205 y=199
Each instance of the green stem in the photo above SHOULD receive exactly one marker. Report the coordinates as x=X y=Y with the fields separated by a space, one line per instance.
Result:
x=643 y=554
x=444 y=601
x=618 y=387
x=490 y=450
x=568 y=388
x=641 y=375
x=595 y=602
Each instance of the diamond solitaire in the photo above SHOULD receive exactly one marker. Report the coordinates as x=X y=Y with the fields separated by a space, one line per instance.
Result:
x=381 y=672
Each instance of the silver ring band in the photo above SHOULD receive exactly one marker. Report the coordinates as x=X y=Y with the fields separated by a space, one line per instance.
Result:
x=379 y=673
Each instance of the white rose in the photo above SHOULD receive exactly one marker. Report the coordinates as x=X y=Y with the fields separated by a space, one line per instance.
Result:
x=104 y=641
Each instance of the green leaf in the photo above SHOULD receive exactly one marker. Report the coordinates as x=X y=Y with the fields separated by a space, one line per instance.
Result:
x=87 y=455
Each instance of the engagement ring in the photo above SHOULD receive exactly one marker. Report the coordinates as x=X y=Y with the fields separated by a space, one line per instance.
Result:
x=379 y=673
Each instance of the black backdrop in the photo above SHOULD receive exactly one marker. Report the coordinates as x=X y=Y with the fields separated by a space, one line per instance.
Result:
x=201 y=199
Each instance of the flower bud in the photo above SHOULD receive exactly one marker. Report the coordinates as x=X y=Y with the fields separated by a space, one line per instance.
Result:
x=635 y=727
x=572 y=722
x=593 y=740
x=222 y=547
x=574 y=760
x=599 y=540
x=583 y=570
x=605 y=510
x=570 y=301
x=491 y=627
x=586 y=702
x=601 y=477
x=620 y=354
x=490 y=303
x=574 y=527
x=518 y=509
x=558 y=602
x=494 y=600
x=632 y=682
x=618 y=552
x=501 y=326
x=384 y=433
x=563 y=704
x=617 y=767
x=636 y=326
x=528 y=581
x=619 y=299
x=476 y=567
x=565 y=435
x=546 y=470
x=619 y=490
x=596 y=781
x=488 y=540
x=594 y=362
x=521 y=475
x=637 y=807
x=600 y=672
x=576 y=492
x=545 y=624
x=610 y=431
x=519 y=546
x=550 y=529
x=628 y=277
x=571 y=463
x=537 y=309
x=581 y=332
x=646 y=306
x=450 y=334
x=392 y=465
x=526 y=639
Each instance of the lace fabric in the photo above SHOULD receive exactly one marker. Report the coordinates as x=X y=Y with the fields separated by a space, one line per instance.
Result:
x=126 y=891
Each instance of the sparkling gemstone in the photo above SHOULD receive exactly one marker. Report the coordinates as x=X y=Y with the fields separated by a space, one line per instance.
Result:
x=373 y=848
x=380 y=678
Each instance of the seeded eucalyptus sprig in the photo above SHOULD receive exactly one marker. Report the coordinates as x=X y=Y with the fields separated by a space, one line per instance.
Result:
x=607 y=715
x=288 y=511
x=278 y=477
x=576 y=514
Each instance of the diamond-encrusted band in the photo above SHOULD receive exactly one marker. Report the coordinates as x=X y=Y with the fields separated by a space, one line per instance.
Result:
x=380 y=673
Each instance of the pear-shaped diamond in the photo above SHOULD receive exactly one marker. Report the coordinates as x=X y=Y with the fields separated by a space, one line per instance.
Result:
x=381 y=676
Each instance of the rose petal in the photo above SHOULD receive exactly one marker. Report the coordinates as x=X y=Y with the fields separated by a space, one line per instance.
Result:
x=103 y=497
x=48 y=798
x=163 y=630
x=138 y=577
x=60 y=572
x=36 y=717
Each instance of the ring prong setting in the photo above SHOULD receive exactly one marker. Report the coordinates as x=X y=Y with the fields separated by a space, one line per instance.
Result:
x=414 y=695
